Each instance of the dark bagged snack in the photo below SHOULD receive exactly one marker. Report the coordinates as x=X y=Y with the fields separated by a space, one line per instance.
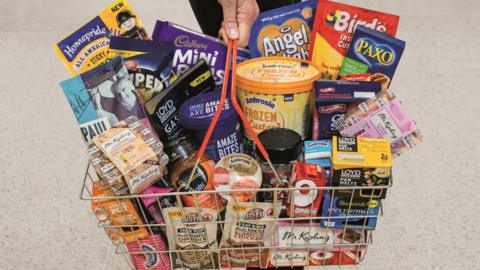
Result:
x=374 y=52
x=163 y=109
x=87 y=47
x=191 y=47
x=102 y=97
x=283 y=31
x=149 y=64
x=335 y=98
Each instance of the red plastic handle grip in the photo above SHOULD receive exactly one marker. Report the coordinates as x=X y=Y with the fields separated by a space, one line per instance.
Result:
x=231 y=63
x=233 y=93
x=220 y=106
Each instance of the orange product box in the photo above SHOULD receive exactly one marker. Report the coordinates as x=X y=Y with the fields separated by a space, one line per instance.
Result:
x=117 y=212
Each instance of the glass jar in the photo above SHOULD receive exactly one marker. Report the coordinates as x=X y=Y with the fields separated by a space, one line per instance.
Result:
x=184 y=156
x=284 y=148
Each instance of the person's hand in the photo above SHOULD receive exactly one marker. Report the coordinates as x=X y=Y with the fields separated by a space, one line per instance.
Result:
x=238 y=17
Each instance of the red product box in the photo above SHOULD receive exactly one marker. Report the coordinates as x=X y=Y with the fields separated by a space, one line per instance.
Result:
x=306 y=202
x=356 y=77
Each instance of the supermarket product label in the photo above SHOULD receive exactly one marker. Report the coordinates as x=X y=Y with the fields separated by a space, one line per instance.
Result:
x=283 y=31
x=87 y=47
x=334 y=26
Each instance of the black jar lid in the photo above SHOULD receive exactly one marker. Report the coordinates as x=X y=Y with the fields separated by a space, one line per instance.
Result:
x=282 y=145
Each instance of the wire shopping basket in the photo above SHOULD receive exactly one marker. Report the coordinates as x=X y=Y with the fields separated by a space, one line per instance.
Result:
x=297 y=241
x=339 y=232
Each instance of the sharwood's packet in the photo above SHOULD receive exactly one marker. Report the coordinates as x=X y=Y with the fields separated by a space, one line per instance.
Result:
x=149 y=63
x=334 y=26
x=335 y=98
x=191 y=228
x=87 y=47
x=382 y=116
x=283 y=31
x=373 y=52
x=248 y=234
x=102 y=97
x=191 y=47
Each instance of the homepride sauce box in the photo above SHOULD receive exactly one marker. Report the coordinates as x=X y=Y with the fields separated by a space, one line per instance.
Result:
x=87 y=47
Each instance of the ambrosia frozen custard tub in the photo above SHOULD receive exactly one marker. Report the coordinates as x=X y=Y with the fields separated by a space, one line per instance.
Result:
x=275 y=92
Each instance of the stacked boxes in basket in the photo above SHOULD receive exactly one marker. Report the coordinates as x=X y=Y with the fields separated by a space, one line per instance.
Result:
x=307 y=191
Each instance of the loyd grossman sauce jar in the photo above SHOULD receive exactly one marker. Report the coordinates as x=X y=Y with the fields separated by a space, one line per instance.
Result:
x=184 y=156
x=284 y=148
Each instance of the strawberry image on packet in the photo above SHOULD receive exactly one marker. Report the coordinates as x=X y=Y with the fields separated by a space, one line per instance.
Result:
x=333 y=30
x=87 y=47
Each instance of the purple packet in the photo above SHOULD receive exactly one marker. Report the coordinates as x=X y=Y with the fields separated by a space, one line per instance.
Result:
x=191 y=46
x=334 y=98
x=155 y=204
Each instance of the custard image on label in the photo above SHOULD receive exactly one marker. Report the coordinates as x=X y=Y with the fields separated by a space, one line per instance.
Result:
x=276 y=92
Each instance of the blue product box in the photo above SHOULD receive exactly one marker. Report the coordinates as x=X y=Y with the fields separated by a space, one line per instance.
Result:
x=340 y=208
x=283 y=32
x=374 y=52
x=334 y=98
x=320 y=153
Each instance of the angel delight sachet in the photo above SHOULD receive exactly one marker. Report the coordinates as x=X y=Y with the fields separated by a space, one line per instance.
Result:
x=333 y=29
x=283 y=31
x=87 y=47
x=191 y=47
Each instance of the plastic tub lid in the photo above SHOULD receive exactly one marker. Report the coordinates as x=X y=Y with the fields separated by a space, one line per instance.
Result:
x=277 y=75
x=197 y=112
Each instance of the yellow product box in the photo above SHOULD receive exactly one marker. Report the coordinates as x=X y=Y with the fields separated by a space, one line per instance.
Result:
x=88 y=46
x=361 y=153
x=361 y=162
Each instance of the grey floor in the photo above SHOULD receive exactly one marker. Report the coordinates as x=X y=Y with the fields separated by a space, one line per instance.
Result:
x=431 y=216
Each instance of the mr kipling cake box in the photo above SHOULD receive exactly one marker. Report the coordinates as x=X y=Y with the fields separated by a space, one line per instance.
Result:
x=361 y=162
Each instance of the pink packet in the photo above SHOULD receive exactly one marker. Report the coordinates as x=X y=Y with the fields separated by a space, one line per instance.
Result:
x=155 y=204
x=382 y=117
x=145 y=253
